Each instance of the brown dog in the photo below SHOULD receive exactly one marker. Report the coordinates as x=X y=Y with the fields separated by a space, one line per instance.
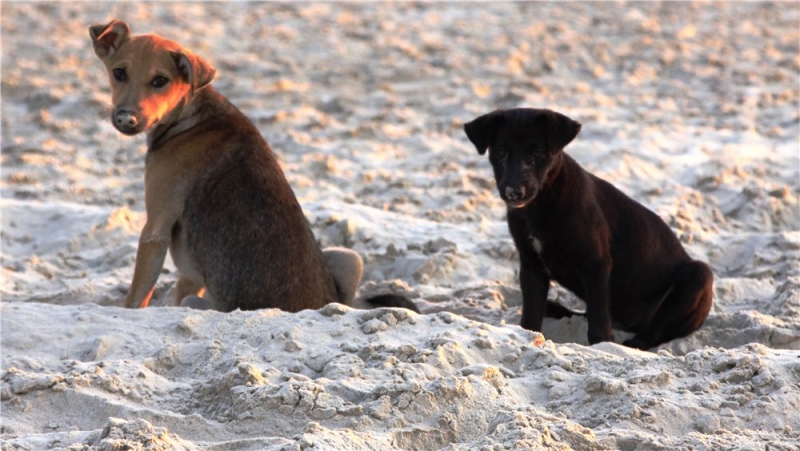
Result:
x=215 y=194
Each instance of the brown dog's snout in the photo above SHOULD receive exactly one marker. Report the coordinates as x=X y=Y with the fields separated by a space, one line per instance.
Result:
x=125 y=121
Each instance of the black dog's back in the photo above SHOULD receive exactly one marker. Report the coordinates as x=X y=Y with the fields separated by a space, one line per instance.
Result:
x=644 y=251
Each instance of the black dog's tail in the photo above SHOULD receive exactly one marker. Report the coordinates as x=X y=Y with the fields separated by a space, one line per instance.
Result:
x=392 y=300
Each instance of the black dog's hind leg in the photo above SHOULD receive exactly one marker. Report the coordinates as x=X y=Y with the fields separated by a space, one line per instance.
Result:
x=684 y=309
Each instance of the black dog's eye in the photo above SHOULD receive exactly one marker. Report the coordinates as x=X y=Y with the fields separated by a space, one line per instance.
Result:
x=159 y=82
x=499 y=152
x=120 y=74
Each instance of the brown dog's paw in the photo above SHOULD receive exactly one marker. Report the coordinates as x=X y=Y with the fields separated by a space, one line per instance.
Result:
x=197 y=303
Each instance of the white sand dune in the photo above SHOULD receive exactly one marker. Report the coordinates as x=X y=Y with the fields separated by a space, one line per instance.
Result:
x=691 y=108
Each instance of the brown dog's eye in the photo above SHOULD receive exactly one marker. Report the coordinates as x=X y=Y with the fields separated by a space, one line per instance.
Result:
x=120 y=74
x=159 y=82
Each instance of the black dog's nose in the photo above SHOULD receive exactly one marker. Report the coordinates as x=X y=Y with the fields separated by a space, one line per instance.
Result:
x=515 y=193
x=125 y=119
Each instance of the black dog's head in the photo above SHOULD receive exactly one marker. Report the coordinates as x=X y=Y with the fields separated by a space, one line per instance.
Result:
x=524 y=147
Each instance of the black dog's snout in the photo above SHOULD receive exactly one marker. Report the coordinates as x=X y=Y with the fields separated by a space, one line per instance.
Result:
x=515 y=193
x=125 y=119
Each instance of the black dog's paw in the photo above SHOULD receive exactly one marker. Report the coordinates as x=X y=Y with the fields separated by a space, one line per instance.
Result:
x=638 y=342
x=596 y=336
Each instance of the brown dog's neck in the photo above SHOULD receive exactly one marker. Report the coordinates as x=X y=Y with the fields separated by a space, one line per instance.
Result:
x=192 y=112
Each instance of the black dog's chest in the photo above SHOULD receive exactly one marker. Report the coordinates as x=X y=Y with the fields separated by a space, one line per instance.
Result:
x=536 y=244
x=558 y=265
x=546 y=251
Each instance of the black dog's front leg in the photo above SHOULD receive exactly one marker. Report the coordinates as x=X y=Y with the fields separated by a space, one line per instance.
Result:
x=596 y=291
x=535 y=284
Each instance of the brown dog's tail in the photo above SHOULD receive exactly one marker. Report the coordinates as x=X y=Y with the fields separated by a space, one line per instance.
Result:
x=392 y=300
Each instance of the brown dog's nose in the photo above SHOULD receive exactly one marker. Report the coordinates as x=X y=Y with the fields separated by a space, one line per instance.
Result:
x=513 y=194
x=125 y=119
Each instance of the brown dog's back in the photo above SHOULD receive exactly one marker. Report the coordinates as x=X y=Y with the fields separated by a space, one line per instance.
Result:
x=246 y=230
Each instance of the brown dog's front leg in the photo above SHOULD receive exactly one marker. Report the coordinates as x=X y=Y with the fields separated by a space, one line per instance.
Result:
x=149 y=261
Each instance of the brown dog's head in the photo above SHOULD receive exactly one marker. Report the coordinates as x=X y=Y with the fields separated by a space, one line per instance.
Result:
x=150 y=77
x=524 y=147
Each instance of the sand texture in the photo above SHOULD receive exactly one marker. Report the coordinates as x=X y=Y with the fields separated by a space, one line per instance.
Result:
x=693 y=109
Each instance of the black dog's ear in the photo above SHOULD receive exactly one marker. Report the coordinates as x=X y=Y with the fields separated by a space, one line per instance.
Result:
x=561 y=130
x=482 y=130
x=107 y=38
x=195 y=70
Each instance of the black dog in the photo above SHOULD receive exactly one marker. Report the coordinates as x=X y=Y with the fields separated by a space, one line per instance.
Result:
x=577 y=229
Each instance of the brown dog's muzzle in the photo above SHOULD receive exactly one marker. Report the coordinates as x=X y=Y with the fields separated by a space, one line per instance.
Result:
x=126 y=121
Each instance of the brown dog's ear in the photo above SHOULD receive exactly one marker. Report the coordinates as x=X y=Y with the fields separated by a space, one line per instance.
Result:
x=561 y=130
x=108 y=38
x=482 y=130
x=195 y=70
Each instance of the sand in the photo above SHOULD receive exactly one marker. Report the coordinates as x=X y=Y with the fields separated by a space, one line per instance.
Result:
x=691 y=108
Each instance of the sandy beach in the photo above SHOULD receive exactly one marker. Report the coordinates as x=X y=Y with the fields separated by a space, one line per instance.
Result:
x=691 y=108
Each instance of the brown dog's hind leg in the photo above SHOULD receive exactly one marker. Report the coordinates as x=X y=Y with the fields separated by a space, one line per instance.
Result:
x=185 y=287
x=346 y=268
x=683 y=311
x=196 y=302
x=192 y=294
